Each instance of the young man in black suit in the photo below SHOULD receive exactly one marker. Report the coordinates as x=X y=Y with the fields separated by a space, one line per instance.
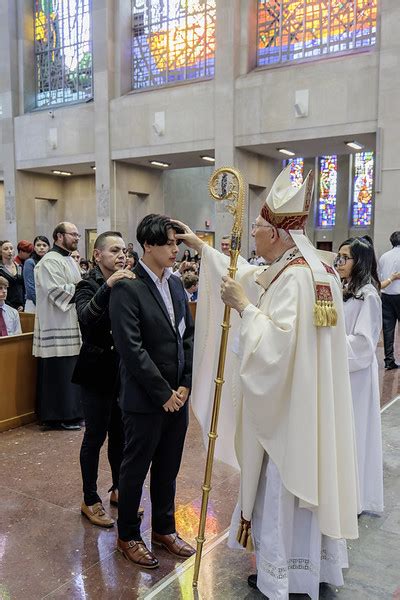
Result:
x=153 y=332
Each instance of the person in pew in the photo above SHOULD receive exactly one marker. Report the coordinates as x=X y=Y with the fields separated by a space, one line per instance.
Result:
x=153 y=332
x=11 y=271
x=96 y=371
x=41 y=246
x=9 y=317
x=56 y=336
x=191 y=284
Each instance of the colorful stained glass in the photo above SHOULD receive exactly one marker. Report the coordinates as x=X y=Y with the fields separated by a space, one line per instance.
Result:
x=362 y=189
x=296 y=170
x=327 y=191
x=298 y=29
x=172 y=41
x=63 y=51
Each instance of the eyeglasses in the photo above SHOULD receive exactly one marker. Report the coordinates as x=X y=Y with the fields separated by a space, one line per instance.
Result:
x=75 y=235
x=341 y=260
x=257 y=225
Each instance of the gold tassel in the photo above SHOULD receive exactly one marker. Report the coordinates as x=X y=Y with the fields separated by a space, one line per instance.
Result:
x=325 y=314
x=244 y=535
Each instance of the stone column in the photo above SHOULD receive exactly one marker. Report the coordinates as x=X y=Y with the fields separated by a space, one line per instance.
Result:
x=9 y=104
x=103 y=73
x=235 y=56
x=387 y=198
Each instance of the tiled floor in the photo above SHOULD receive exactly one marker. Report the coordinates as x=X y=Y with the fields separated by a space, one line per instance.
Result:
x=48 y=550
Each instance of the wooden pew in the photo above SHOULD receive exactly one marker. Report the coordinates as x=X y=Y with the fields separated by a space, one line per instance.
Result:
x=192 y=307
x=18 y=377
x=27 y=321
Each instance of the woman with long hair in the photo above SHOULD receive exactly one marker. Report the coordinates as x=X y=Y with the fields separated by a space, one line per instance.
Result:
x=357 y=267
x=41 y=246
x=13 y=273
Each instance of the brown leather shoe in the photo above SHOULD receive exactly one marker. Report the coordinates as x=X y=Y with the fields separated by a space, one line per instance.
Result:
x=174 y=544
x=138 y=553
x=97 y=515
x=114 y=502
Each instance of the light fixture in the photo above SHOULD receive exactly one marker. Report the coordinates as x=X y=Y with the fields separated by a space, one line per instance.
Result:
x=354 y=145
x=157 y=163
x=64 y=173
x=208 y=158
x=93 y=167
x=287 y=152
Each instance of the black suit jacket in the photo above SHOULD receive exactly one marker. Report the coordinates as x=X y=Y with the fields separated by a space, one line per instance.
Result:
x=155 y=357
x=98 y=362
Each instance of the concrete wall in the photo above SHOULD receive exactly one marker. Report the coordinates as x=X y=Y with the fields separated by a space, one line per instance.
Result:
x=55 y=136
x=241 y=107
x=38 y=197
x=2 y=213
x=138 y=192
x=189 y=120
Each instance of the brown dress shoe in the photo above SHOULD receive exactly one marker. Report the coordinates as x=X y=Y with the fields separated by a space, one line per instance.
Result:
x=174 y=544
x=97 y=515
x=114 y=502
x=138 y=553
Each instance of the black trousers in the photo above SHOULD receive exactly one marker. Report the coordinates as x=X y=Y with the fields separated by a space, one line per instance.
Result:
x=390 y=316
x=102 y=416
x=154 y=439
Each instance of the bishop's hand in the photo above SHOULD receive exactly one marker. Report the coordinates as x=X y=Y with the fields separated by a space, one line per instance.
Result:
x=233 y=295
x=189 y=237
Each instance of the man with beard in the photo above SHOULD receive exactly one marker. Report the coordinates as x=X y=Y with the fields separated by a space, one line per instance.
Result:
x=56 y=338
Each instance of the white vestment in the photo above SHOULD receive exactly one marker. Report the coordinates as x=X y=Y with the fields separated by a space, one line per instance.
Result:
x=280 y=398
x=363 y=327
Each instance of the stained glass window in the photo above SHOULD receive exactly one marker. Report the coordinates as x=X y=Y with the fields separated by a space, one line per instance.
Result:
x=172 y=40
x=362 y=189
x=63 y=51
x=296 y=170
x=327 y=191
x=298 y=29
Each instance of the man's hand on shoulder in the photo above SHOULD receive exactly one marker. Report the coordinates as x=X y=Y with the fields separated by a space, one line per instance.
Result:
x=174 y=403
x=118 y=275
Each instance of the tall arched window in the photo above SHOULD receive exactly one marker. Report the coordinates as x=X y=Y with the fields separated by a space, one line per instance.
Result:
x=296 y=170
x=298 y=29
x=172 y=40
x=63 y=51
x=327 y=191
x=363 y=182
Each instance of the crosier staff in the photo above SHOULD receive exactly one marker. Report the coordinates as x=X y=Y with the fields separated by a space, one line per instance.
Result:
x=231 y=190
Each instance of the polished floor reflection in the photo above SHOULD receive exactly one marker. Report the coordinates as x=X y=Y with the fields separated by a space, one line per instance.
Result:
x=48 y=550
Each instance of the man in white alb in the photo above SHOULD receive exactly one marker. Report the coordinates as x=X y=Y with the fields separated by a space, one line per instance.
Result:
x=287 y=394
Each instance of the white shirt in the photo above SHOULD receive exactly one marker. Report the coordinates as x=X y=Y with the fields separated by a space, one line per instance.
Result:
x=390 y=263
x=11 y=319
x=163 y=288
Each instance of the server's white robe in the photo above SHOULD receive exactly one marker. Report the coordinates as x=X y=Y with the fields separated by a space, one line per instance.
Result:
x=281 y=399
x=363 y=320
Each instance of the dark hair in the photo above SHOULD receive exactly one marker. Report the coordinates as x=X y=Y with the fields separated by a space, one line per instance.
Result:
x=60 y=228
x=83 y=261
x=364 y=267
x=153 y=230
x=187 y=252
x=189 y=279
x=38 y=238
x=100 y=240
x=395 y=238
x=134 y=255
